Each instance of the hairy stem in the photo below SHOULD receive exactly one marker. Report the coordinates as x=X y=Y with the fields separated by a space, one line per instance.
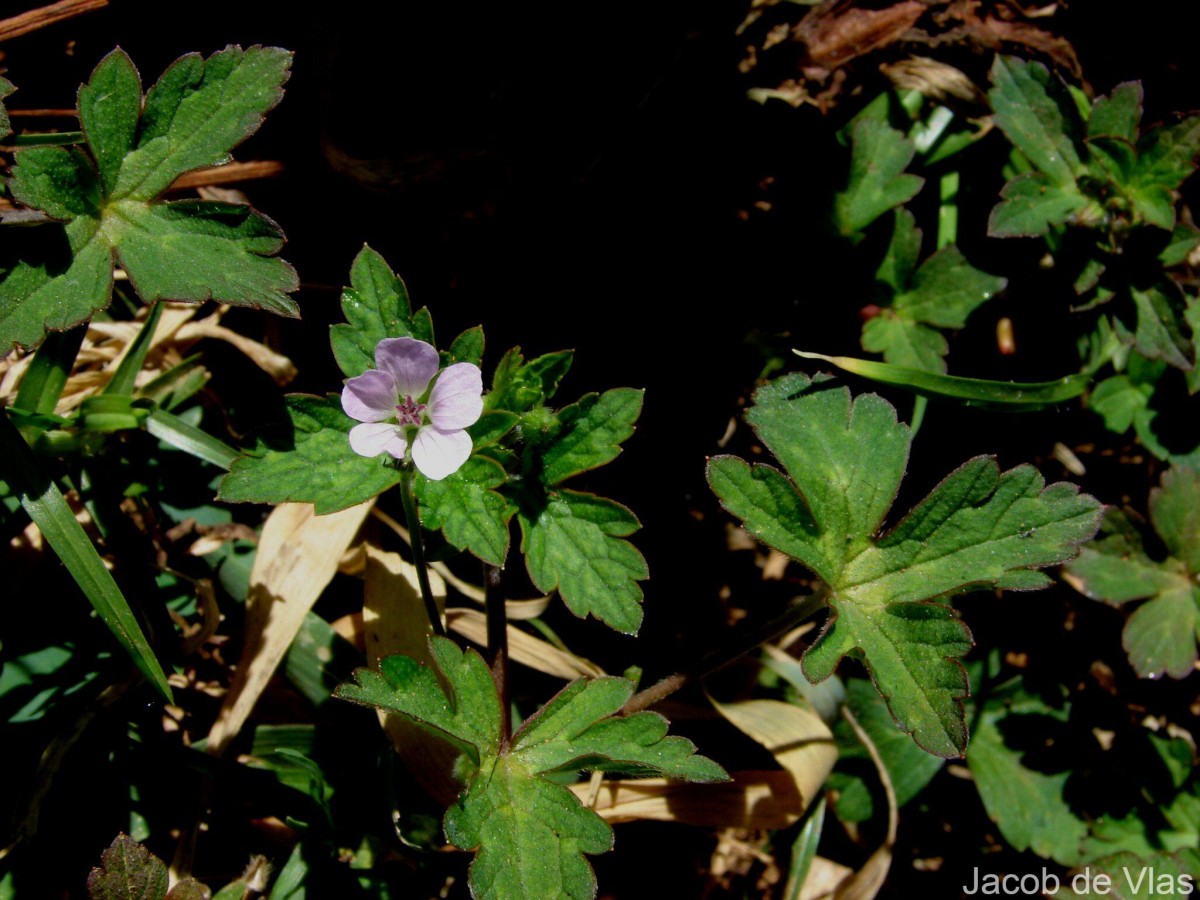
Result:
x=418 y=551
x=497 y=645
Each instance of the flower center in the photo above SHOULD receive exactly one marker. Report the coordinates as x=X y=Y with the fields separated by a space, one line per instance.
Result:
x=409 y=412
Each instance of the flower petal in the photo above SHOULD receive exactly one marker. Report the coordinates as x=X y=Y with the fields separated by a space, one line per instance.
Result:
x=411 y=362
x=370 y=397
x=440 y=453
x=373 y=438
x=456 y=400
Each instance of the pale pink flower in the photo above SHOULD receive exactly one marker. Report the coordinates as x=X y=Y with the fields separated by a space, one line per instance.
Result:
x=401 y=414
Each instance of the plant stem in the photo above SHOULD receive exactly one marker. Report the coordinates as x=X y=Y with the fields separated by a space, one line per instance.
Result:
x=741 y=644
x=418 y=551
x=497 y=645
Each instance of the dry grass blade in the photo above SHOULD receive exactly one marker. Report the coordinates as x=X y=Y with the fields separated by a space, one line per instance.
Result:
x=866 y=883
x=230 y=173
x=297 y=557
x=107 y=343
x=525 y=648
x=46 y=15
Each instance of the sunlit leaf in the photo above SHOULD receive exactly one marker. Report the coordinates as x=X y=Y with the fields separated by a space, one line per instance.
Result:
x=978 y=527
x=530 y=834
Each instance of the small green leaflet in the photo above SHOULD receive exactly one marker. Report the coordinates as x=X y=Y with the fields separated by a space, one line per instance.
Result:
x=1149 y=877
x=128 y=871
x=376 y=306
x=1027 y=804
x=1126 y=176
x=529 y=833
x=1159 y=333
x=1160 y=637
x=6 y=89
x=573 y=544
x=308 y=460
x=1034 y=110
x=978 y=527
x=467 y=509
x=187 y=250
x=942 y=293
x=877 y=180
x=519 y=386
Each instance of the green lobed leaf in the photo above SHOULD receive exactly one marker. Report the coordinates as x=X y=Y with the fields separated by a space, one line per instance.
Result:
x=573 y=544
x=1031 y=204
x=376 y=306
x=1161 y=635
x=1167 y=154
x=492 y=426
x=198 y=112
x=579 y=729
x=1035 y=112
x=308 y=460
x=468 y=510
x=109 y=106
x=519 y=386
x=904 y=342
x=978 y=527
x=57 y=180
x=128 y=871
x=198 y=250
x=1121 y=401
x=1119 y=114
x=591 y=433
x=530 y=834
x=904 y=249
x=941 y=294
x=1185 y=237
x=467 y=347
x=1159 y=333
x=877 y=182
x=1175 y=512
x=1149 y=877
x=6 y=89
x=52 y=279
x=1027 y=804
x=192 y=250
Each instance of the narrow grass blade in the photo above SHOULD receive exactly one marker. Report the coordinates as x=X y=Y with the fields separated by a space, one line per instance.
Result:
x=49 y=511
x=48 y=372
x=1009 y=395
x=123 y=379
x=182 y=436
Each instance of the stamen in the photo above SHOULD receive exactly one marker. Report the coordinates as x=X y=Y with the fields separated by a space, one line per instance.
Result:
x=409 y=412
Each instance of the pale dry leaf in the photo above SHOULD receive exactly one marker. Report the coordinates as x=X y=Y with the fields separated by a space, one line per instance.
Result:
x=297 y=557
x=824 y=876
x=800 y=742
x=752 y=799
x=278 y=366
